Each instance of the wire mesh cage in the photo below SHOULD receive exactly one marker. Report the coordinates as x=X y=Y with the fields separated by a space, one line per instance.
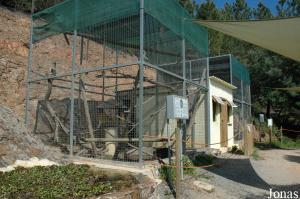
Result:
x=98 y=80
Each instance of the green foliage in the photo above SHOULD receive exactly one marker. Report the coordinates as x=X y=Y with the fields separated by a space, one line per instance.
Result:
x=189 y=5
x=267 y=69
x=70 y=181
x=236 y=150
x=187 y=162
x=287 y=143
x=25 y=5
x=255 y=154
x=203 y=160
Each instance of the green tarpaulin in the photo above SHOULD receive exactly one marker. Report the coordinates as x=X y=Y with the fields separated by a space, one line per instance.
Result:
x=81 y=14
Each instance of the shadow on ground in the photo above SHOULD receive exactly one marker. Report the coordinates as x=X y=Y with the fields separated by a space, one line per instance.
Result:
x=294 y=187
x=267 y=146
x=292 y=158
x=240 y=171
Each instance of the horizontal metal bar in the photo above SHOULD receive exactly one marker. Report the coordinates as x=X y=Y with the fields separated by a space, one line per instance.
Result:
x=76 y=82
x=241 y=102
x=84 y=70
x=76 y=89
x=187 y=61
x=125 y=139
x=218 y=56
x=203 y=88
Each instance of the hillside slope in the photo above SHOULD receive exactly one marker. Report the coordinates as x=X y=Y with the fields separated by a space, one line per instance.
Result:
x=14 y=28
x=16 y=143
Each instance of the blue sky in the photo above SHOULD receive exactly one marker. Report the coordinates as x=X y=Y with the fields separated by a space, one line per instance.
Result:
x=252 y=3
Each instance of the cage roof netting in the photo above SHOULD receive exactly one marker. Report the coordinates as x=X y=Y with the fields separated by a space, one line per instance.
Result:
x=240 y=71
x=78 y=14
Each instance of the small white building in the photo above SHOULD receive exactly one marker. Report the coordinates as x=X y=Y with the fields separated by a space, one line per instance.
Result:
x=221 y=113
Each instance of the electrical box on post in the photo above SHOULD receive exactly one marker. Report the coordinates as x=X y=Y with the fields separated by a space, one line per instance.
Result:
x=177 y=107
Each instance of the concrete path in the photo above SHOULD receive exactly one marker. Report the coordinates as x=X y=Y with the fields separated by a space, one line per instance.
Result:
x=278 y=167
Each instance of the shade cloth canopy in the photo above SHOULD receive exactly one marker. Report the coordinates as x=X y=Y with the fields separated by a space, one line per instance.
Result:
x=291 y=89
x=278 y=35
x=171 y=21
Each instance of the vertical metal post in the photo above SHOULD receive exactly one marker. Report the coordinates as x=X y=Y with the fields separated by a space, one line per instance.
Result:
x=242 y=98
x=72 y=91
x=74 y=42
x=190 y=70
x=183 y=126
x=178 y=163
x=116 y=91
x=29 y=68
x=249 y=92
x=141 y=84
x=243 y=116
x=209 y=101
x=230 y=64
x=281 y=136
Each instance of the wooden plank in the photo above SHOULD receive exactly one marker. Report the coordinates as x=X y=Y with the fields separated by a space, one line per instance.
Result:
x=224 y=126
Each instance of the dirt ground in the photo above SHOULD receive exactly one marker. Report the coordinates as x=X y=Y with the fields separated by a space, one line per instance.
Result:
x=241 y=177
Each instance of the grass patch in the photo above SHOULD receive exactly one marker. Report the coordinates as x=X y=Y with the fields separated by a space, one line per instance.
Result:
x=255 y=154
x=70 y=181
x=187 y=162
x=287 y=143
x=199 y=160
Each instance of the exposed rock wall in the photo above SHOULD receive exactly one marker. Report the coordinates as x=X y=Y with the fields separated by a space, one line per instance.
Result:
x=17 y=144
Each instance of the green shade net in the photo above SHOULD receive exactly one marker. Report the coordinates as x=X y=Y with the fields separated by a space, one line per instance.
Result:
x=79 y=14
x=240 y=71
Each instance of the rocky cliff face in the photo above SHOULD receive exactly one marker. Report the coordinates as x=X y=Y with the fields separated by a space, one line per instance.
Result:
x=16 y=143
x=14 y=48
x=14 y=29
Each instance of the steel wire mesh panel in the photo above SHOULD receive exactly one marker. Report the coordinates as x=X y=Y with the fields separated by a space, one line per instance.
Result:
x=156 y=126
x=105 y=114
x=238 y=122
x=220 y=67
x=96 y=55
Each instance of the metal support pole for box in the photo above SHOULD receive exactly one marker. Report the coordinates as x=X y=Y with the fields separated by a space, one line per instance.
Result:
x=72 y=91
x=178 y=159
x=29 y=68
x=141 y=84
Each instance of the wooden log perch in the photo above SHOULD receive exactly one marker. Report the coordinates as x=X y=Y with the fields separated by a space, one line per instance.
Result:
x=87 y=115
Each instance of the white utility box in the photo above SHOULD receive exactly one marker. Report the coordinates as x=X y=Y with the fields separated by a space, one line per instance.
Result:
x=177 y=107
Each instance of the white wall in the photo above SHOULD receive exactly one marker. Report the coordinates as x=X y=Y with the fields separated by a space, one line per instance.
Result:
x=220 y=90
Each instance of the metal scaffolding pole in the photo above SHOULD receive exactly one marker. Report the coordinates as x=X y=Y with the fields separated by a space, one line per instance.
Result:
x=183 y=126
x=230 y=64
x=72 y=91
x=141 y=84
x=242 y=98
x=29 y=69
x=208 y=103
